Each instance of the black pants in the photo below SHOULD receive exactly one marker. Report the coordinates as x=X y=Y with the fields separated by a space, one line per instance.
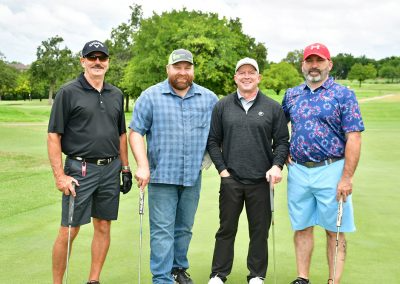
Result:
x=232 y=196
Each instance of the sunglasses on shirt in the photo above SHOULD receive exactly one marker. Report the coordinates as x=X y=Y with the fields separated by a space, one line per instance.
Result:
x=102 y=58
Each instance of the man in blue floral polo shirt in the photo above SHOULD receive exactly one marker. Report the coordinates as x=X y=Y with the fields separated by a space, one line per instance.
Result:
x=325 y=148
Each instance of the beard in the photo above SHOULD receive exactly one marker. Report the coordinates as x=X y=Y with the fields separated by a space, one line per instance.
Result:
x=178 y=84
x=322 y=75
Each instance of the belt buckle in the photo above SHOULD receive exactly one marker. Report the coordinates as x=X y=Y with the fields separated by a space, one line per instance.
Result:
x=309 y=164
x=100 y=162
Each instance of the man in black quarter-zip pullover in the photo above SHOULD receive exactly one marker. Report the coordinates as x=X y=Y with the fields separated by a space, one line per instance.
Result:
x=248 y=144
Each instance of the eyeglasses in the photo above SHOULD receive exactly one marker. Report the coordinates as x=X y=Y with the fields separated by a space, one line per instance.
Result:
x=102 y=58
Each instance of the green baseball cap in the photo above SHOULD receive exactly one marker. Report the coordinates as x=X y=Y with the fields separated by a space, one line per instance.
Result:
x=179 y=55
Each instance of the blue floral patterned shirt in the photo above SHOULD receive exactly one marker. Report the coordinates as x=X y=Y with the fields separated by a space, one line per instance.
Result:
x=176 y=131
x=320 y=120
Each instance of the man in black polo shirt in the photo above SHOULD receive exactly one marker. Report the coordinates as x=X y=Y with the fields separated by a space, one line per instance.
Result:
x=248 y=143
x=87 y=124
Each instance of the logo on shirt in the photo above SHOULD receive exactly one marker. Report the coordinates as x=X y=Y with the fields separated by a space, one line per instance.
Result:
x=260 y=113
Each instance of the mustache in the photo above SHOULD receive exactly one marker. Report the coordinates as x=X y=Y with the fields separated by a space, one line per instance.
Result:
x=314 y=70
x=186 y=77
x=98 y=66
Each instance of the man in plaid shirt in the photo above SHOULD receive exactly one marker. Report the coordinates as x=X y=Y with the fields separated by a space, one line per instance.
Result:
x=175 y=117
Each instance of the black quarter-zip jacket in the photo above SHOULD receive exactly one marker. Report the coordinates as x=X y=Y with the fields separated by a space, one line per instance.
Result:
x=248 y=144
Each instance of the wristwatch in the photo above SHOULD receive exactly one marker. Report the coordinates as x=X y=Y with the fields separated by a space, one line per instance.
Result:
x=126 y=168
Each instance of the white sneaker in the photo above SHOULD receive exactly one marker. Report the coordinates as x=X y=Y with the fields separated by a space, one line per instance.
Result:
x=215 y=280
x=256 y=280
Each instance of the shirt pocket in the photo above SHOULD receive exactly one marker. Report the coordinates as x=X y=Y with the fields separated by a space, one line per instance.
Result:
x=198 y=118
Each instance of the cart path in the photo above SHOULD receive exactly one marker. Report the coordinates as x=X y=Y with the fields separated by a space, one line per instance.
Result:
x=379 y=98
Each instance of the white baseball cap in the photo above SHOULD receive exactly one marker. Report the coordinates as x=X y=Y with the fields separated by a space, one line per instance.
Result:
x=249 y=61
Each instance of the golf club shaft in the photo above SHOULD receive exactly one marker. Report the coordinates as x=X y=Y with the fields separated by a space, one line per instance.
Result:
x=68 y=250
x=71 y=206
x=141 y=212
x=271 y=195
x=338 y=224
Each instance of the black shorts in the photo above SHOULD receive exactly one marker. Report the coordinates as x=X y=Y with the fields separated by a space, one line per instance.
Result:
x=98 y=193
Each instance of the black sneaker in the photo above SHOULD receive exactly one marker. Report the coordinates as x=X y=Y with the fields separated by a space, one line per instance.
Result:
x=93 y=282
x=181 y=276
x=300 y=280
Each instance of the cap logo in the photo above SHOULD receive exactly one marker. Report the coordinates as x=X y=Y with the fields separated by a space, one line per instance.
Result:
x=96 y=44
x=177 y=56
x=315 y=46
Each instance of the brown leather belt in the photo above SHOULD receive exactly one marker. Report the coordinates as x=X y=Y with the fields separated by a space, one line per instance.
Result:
x=99 y=162
x=318 y=164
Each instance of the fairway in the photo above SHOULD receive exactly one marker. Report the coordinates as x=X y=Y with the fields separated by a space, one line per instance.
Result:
x=30 y=209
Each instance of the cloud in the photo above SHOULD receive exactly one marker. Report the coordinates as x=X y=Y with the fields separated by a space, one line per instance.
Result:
x=357 y=27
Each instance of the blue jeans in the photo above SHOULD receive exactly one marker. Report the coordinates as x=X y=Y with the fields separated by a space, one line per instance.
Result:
x=171 y=211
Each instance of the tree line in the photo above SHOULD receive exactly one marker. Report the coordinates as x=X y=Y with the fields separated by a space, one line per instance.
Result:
x=139 y=50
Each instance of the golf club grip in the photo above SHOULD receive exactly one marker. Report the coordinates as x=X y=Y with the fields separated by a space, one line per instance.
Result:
x=271 y=197
x=71 y=206
x=141 y=201
x=340 y=213
x=271 y=194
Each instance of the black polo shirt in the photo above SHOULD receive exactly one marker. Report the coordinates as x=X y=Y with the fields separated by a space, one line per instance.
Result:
x=90 y=122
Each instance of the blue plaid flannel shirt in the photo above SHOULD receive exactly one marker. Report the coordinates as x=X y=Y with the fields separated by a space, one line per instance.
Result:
x=176 y=131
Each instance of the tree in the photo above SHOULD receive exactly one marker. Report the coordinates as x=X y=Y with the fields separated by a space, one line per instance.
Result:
x=362 y=72
x=389 y=72
x=8 y=78
x=260 y=55
x=295 y=58
x=216 y=44
x=23 y=88
x=120 y=47
x=363 y=60
x=392 y=61
x=342 y=64
x=39 y=89
x=53 y=65
x=280 y=77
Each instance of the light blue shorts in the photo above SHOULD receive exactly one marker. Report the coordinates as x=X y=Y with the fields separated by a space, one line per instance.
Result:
x=312 y=198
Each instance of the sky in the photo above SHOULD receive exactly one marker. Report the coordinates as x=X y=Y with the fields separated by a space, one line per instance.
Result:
x=358 y=27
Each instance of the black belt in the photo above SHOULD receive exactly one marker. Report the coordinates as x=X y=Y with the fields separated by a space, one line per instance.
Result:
x=318 y=164
x=99 y=162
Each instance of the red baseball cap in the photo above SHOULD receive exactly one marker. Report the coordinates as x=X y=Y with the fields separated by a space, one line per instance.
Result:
x=316 y=49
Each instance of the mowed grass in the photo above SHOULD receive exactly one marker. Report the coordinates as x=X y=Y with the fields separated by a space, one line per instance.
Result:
x=30 y=212
x=24 y=111
x=371 y=88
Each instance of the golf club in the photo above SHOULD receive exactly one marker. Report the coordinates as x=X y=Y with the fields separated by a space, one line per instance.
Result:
x=141 y=212
x=271 y=197
x=71 y=207
x=338 y=224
